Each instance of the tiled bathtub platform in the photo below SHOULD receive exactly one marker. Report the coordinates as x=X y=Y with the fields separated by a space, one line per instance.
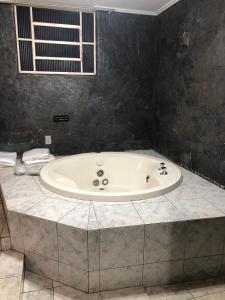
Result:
x=96 y=246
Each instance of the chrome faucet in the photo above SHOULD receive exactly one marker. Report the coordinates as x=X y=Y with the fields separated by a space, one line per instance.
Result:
x=162 y=164
x=164 y=172
x=163 y=169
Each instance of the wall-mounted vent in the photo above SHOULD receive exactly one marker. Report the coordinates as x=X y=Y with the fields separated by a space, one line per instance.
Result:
x=55 y=41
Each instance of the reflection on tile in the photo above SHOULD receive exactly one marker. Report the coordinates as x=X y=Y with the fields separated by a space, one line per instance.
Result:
x=78 y=217
x=34 y=282
x=94 y=281
x=73 y=277
x=92 y=222
x=117 y=215
x=161 y=198
x=202 y=267
x=163 y=273
x=51 y=209
x=121 y=247
x=169 y=292
x=158 y=212
x=68 y=293
x=121 y=278
x=110 y=203
x=11 y=264
x=41 y=265
x=217 y=199
x=39 y=295
x=197 y=209
x=183 y=192
x=72 y=243
x=164 y=242
x=205 y=237
x=10 y=288
x=40 y=236
x=137 y=293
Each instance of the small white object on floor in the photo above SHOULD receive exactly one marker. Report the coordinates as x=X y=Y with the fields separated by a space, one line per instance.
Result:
x=8 y=158
x=36 y=154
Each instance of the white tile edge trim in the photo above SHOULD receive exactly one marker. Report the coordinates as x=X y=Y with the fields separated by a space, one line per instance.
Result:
x=166 y=6
x=91 y=8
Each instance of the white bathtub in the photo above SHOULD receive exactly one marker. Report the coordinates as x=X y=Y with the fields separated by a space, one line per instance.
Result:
x=126 y=176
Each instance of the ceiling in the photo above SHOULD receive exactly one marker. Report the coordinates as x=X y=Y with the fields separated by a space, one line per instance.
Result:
x=146 y=7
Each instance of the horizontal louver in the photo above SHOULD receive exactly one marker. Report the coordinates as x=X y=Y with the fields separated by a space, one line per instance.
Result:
x=51 y=50
x=58 y=66
x=55 y=41
x=56 y=16
x=56 y=34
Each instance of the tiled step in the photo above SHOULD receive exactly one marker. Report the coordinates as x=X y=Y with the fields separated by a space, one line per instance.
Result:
x=11 y=274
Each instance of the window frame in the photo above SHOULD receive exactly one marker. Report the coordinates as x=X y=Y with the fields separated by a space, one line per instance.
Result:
x=55 y=25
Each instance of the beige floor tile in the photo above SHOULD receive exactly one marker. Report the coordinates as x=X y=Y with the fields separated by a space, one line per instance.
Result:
x=10 y=288
x=216 y=296
x=126 y=294
x=34 y=282
x=206 y=287
x=39 y=295
x=67 y=293
x=11 y=264
x=170 y=292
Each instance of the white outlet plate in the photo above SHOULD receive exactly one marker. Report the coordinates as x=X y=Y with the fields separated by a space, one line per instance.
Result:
x=48 y=140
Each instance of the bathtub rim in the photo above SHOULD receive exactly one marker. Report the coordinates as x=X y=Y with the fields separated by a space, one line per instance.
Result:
x=138 y=195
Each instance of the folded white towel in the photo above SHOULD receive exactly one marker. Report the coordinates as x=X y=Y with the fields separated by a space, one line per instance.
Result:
x=38 y=161
x=8 y=158
x=36 y=154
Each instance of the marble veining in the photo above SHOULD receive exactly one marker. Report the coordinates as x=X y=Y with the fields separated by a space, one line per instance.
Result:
x=97 y=246
x=121 y=247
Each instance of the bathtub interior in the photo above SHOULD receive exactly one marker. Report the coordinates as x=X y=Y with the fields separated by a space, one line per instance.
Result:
x=125 y=174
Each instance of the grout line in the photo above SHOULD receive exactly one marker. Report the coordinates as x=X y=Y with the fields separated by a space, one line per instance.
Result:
x=144 y=242
x=57 y=251
x=75 y=207
x=34 y=291
x=99 y=248
x=88 y=247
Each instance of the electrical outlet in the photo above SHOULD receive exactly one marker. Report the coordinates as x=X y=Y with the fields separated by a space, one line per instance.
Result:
x=48 y=140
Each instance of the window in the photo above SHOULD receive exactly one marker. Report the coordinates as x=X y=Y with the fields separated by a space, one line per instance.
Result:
x=55 y=41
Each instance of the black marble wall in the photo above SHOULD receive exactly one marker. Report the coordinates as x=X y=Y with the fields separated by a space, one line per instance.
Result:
x=110 y=111
x=159 y=82
x=190 y=86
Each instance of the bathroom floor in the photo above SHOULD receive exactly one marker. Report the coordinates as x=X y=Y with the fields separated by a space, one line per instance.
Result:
x=40 y=288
